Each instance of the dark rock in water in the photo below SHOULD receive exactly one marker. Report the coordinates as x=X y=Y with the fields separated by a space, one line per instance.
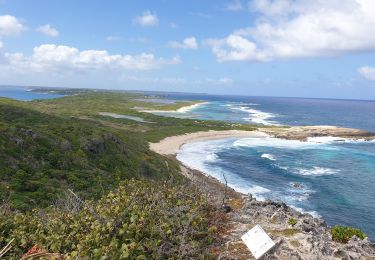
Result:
x=297 y=185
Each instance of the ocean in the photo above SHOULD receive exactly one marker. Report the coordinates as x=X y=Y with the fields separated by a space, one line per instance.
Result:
x=24 y=94
x=329 y=179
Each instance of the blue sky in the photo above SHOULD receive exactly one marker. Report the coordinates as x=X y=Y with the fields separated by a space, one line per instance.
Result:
x=260 y=47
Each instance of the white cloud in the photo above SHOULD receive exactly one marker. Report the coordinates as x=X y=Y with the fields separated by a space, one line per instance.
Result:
x=221 y=81
x=234 y=5
x=1 y=45
x=367 y=72
x=147 y=19
x=187 y=43
x=10 y=25
x=304 y=28
x=48 y=30
x=60 y=58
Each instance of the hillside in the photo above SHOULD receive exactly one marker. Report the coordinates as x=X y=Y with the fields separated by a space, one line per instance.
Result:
x=48 y=146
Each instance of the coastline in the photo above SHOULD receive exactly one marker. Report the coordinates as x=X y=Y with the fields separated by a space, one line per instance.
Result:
x=171 y=145
x=183 y=109
x=310 y=238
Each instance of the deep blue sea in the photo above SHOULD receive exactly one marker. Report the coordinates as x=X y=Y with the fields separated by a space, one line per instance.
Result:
x=331 y=179
x=24 y=94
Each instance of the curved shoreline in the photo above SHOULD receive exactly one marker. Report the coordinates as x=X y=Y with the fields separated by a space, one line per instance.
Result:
x=313 y=234
x=171 y=145
x=181 y=110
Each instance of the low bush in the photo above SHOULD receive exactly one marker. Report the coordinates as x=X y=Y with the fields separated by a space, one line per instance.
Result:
x=292 y=221
x=141 y=219
x=344 y=234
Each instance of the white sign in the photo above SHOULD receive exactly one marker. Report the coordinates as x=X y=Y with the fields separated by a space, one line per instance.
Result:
x=257 y=240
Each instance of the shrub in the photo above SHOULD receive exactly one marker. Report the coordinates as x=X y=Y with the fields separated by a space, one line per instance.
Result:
x=292 y=221
x=140 y=219
x=344 y=234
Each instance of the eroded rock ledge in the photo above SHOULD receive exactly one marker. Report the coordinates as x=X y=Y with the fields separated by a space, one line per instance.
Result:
x=303 y=132
x=309 y=238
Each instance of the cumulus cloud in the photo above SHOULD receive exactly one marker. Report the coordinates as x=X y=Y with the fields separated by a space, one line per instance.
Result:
x=48 y=30
x=60 y=58
x=187 y=43
x=10 y=25
x=367 y=72
x=234 y=5
x=147 y=19
x=304 y=28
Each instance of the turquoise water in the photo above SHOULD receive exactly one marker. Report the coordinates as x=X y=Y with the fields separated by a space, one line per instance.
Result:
x=329 y=179
x=24 y=94
x=285 y=111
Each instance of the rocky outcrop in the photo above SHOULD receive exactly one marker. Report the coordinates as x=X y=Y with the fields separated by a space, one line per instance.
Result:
x=304 y=132
x=309 y=238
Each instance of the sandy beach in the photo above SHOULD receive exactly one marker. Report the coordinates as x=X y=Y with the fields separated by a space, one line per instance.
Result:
x=171 y=145
x=183 y=109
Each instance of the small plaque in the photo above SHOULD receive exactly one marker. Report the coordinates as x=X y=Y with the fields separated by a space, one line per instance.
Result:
x=257 y=240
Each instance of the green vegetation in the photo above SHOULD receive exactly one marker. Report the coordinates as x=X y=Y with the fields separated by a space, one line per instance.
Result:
x=47 y=146
x=127 y=202
x=344 y=234
x=289 y=232
x=140 y=219
x=292 y=222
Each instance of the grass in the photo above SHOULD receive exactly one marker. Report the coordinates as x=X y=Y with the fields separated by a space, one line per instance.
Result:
x=289 y=232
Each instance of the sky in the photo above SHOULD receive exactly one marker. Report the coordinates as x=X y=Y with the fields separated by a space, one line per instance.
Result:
x=294 y=48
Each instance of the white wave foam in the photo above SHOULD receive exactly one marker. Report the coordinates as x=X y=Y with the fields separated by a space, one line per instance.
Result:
x=277 y=143
x=211 y=157
x=256 y=116
x=333 y=139
x=241 y=104
x=311 y=212
x=268 y=156
x=315 y=171
x=198 y=156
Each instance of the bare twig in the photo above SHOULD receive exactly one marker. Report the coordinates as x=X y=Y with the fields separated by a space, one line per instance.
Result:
x=6 y=248
x=93 y=212
x=225 y=190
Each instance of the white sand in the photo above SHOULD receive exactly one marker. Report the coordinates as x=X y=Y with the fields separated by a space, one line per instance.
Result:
x=180 y=110
x=171 y=145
